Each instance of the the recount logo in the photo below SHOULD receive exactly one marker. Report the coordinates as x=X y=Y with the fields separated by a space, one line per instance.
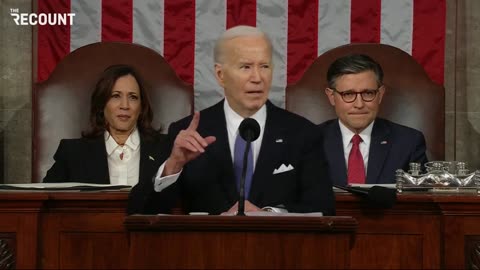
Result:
x=41 y=18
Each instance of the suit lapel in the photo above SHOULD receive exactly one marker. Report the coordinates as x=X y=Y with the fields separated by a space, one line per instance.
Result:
x=379 y=148
x=215 y=124
x=149 y=158
x=97 y=160
x=270 y=150
x=334 y=152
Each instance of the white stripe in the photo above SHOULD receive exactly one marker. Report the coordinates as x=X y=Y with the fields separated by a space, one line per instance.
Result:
x=87 y=23
x=333 y=24
x=397 y=24
x=148 y=23
x=272 y=19
x=210 y=22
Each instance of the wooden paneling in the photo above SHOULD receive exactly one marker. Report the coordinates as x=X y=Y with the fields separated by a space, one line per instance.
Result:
x=19 y=214
x=462 y=241
x=7 y=251
x=84 y=231
x=83 y=250
x=223 y=250
x=240 y=242
x=68 y=229
x=387 y=251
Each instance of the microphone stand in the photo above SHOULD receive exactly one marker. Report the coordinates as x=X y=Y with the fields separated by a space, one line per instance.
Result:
x=241 y=198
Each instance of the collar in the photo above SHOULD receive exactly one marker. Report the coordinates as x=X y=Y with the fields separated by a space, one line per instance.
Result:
x=347 y=134
x=133 y=141
x=234 y=119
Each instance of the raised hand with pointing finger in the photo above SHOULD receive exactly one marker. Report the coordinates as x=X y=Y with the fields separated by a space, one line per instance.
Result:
x=243 y=67
x=188 y=145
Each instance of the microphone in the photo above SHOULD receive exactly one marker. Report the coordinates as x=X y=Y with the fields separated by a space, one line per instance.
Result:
x=377 y=196
x=249 y=130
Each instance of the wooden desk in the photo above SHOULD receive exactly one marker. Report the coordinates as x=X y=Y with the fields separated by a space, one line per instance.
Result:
x=420 y=231
x=75 y=230
x=64 y=230
x=226 y=242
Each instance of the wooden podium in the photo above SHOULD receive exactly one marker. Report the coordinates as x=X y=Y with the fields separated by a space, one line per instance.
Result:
x=85 y=230
x=226 y=242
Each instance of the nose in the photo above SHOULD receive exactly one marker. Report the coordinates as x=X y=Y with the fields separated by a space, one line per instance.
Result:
x=124 y=104
x=359 y=103
x=255 y=75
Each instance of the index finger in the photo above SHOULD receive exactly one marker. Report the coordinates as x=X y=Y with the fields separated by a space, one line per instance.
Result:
x=194 y=123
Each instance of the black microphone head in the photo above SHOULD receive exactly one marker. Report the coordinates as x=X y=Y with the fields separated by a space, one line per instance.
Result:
x=249 y=129
x=382 y=197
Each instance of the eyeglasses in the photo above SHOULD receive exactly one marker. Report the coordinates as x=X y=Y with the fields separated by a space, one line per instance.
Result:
x=350 y=96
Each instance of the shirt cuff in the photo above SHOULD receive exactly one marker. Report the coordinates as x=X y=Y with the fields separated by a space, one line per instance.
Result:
x=160 y=183
x=275 y=209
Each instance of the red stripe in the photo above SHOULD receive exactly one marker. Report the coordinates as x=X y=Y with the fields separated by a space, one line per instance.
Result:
x=365 y=21
x=53 y=42
x=117 y=20
x=241 y=12
x=429 y=18
x=302 y=37
x=179 y=37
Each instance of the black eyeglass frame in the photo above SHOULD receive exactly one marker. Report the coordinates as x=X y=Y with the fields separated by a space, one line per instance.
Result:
x=362 y=94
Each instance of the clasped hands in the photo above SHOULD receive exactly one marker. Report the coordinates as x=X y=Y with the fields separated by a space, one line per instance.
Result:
x=249 y=207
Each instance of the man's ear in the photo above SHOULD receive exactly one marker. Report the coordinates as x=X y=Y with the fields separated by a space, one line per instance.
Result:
x=219 y=74
x=381 y=92
x=331 y=98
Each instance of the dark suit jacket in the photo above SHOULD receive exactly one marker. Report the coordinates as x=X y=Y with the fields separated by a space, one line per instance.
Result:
x=207 y=183
x=85 y=160
x=392 y=147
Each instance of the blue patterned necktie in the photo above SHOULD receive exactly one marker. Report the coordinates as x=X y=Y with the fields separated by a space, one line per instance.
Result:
x=240 y=145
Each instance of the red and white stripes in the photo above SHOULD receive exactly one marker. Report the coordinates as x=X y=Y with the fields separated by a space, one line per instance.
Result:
x=184 y=31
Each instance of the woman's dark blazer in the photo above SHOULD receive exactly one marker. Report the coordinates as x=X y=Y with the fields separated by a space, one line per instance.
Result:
x=85 y=160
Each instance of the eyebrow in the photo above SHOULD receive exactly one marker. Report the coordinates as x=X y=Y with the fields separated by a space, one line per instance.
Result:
x=247 y=62
x=351 y=90
x=128 y=93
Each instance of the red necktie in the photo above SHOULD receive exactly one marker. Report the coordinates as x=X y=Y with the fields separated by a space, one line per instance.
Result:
x=356 y=168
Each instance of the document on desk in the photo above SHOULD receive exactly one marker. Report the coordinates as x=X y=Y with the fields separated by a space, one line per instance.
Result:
x=273 y=214
x=65 y=186
x=371 y=185
x=363 y=187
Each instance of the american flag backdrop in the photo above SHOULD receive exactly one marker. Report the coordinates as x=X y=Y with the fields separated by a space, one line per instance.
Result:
x=183 y=31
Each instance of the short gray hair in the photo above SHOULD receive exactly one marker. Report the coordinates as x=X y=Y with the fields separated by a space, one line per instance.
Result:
x=236 y=31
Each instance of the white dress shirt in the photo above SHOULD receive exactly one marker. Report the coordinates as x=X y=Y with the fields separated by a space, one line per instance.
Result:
x=233 y=121
x=123 y=161
x=364 y=146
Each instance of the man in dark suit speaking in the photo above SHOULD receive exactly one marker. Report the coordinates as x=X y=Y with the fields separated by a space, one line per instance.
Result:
x=287 y=170
x=360 y=147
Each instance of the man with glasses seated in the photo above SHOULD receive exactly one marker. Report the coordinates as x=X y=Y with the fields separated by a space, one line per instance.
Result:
x=361 y=148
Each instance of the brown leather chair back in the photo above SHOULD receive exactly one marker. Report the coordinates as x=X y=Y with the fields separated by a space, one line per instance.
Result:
x=411 y=98
x=62 y=103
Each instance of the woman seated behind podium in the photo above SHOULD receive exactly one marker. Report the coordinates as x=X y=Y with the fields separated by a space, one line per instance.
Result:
x=121 y=146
